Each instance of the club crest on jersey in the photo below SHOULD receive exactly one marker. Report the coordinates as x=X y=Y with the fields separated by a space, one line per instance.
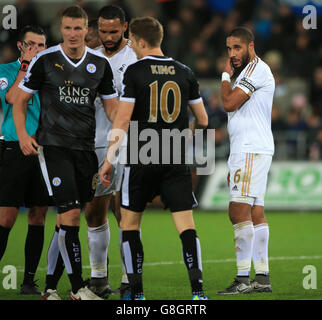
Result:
x=91 y=68
x=3 y=83
x=56 y=181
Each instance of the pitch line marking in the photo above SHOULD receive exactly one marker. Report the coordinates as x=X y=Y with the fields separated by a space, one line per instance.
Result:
x=153 y=264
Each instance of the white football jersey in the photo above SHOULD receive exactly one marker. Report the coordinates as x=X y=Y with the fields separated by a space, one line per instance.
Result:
x=118 y=62
x=249 y=126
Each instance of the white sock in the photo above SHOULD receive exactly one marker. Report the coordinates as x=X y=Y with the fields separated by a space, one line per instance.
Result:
x=98 y=239
x=124 y=275
x=244 y=238
x=52 y=254
x=260 y=248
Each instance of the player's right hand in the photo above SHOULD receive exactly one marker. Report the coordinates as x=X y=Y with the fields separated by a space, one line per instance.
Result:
x=29 y=52
x=229 y=67
x=105 y=173
x=28 y=146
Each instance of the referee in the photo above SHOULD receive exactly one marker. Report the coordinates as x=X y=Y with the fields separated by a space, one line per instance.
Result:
x=20 y=176
x=68 y=77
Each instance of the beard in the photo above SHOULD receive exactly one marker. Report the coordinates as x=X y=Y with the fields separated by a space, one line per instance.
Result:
x=244 y=63
x=115 y=47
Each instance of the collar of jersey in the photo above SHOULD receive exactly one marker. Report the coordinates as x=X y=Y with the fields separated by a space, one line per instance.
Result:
x=253 y=60
x=70 y=61
x=162 y=58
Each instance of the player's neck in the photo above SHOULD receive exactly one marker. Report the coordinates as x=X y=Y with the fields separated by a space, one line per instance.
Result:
x=110 y=54
x=153 y=52
x=252 y=56
x=74 y=53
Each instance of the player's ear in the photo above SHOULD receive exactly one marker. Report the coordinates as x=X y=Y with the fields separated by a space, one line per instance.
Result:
x=19 y=45
x=125 y=25
x=142 y=43
x=251 y=45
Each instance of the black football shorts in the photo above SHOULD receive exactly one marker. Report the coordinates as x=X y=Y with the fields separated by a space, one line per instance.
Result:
x=71 y=175
x=21 y=181
x=142 y=183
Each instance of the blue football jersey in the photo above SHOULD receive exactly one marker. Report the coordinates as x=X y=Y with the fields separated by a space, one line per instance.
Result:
x=8 y=75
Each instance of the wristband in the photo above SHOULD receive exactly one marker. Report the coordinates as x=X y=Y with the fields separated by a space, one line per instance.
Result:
x=225 y=77
x=24 y=65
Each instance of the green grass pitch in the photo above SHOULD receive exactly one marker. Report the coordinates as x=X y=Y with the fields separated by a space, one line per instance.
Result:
x=295 y=242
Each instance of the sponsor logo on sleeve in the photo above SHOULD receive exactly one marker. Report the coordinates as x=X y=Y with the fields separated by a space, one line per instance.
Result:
x=3 y=83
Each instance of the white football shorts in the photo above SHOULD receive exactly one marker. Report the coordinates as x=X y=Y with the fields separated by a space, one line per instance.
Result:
x=116 y=176
x=248 y=177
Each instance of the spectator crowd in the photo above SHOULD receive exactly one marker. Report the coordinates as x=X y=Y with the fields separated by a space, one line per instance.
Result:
x=195 y=32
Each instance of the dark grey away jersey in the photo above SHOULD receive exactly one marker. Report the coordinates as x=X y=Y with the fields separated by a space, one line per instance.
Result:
x=67 y=91
x=161 y=89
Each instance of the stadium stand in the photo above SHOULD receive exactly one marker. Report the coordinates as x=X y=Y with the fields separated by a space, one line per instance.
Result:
x=195 y=34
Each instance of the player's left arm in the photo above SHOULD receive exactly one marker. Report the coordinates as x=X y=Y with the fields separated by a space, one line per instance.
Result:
x=121 y=122
x=232 y=99
x=108 y=92
x=196 y=104
x=120 y=127
x=110 y=107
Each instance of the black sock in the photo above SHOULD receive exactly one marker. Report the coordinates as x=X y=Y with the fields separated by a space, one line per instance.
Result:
x=70 y=249
x=192 y=258
x=4 y=235
x=243 y=279
x=33 y=248
x=262 y=278
x=55 y=263
x=133 y=256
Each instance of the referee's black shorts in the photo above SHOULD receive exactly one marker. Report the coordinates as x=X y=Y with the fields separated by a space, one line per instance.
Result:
x=21 y=182
x=71 y=175
x=142 y=183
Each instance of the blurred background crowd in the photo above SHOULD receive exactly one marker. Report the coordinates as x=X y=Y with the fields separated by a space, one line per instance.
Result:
x=195 y=32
